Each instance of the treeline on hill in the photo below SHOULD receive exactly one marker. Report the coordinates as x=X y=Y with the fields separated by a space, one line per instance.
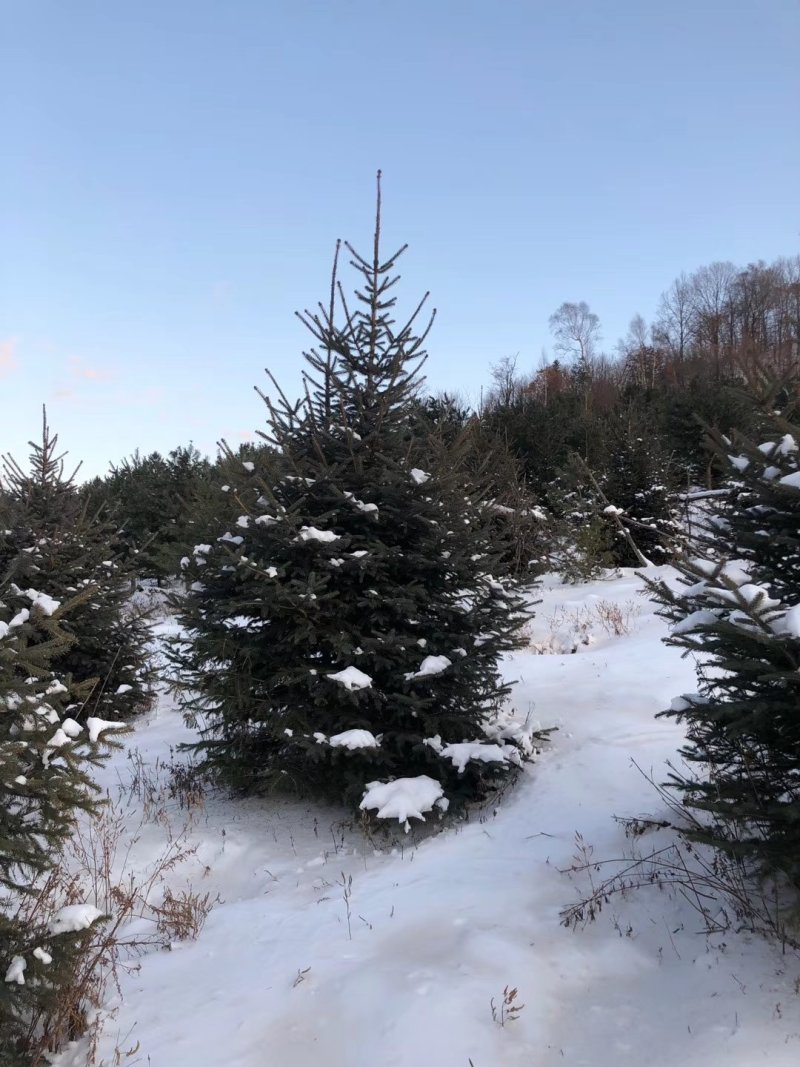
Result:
x=583 y=434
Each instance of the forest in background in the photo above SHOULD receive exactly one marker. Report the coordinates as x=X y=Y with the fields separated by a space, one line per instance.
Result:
x=583 y=431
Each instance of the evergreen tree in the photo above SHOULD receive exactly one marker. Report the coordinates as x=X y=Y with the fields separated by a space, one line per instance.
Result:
x=151 y=500
x=45 y=758
x=738 y=607
x=640 y=482
x=346 y=627
x=50 y=535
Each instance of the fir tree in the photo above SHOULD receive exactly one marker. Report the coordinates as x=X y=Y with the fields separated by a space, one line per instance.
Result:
x=46 y=755
x=738 y=606
x=346 y=627
x=639 y=482
x=150 y=498
x=51 y=535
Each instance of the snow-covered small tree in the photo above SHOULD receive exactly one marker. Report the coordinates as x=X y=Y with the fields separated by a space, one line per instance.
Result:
x=52 y=537
x=46 y=756
x=345 y=629
x=738 y=608
x=639 y=482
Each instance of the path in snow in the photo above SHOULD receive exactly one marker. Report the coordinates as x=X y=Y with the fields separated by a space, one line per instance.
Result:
x=438 y=929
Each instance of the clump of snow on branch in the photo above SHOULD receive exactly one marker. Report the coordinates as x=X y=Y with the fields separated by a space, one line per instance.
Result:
x=354 y=739
x=311 y=533
x=430 y=666
x=352 y=678
x=74 y=917
x=460 y=754
x=404 y=799
x=98 y=726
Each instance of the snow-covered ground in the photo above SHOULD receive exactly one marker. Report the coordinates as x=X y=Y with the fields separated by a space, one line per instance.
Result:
x=330 y=949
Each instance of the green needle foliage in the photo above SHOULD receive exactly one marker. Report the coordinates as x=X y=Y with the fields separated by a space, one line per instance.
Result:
x=738 y=609
x=51 y=537
x=345 y=624
x=46 y=755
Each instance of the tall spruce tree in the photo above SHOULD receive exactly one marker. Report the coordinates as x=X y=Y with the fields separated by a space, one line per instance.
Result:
x=738 y=608
x=51 y=535
x=46 y=756
x=345 y=627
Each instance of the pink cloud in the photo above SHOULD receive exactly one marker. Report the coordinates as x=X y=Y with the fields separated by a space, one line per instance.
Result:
x=8 y=361
x=78 y=369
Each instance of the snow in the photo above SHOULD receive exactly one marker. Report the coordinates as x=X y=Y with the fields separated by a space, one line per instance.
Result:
x=754 y=596
x=792 y=480
x=441 y=922
x=613 y=510
x=311 y=533
x=360 y=505
x=789 y=622
x=43 y=602
x=74 y=917
x=354 y=739
x=404 y=798
x=99 y=726
x=420 y=477
x=59 y=739
x=694 y=620
x=430 y=665
x=462 y=753
x=16 y=970
x=123 y=689
x=352 y=678
x=248 y=466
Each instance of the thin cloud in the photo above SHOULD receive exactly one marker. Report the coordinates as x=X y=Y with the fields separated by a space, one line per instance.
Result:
x=78 y=369
x=8 y=360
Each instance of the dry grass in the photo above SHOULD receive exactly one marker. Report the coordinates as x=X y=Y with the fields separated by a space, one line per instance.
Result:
x=181 y=916
x=570 y=628
x=720 y=887
x=141 y=914
x=158 y=786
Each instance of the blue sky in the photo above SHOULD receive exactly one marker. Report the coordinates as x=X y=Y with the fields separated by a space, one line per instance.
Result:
x=176 y=172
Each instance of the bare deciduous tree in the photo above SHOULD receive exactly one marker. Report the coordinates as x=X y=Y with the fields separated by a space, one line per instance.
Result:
x=577 y=332
x=673 y=326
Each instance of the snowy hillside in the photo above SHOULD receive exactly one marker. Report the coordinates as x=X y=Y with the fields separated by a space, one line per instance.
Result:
x=326 y=948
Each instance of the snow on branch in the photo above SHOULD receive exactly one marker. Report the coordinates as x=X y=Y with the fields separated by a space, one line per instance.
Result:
x=404 y=798
x=352 y=678
x=430 y=665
